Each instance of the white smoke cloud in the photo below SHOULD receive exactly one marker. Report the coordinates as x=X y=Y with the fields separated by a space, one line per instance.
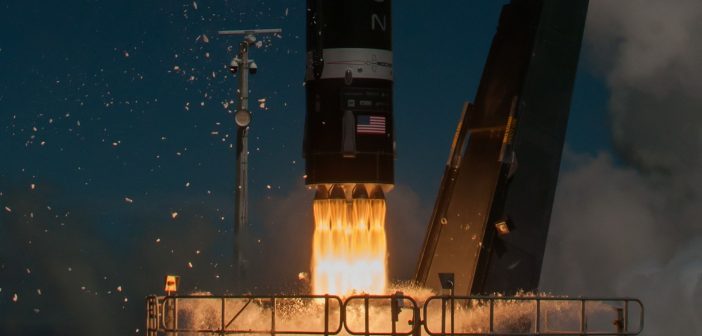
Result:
x=281 y=248
x=407 y=220
x=649 y=52
x=634 y=229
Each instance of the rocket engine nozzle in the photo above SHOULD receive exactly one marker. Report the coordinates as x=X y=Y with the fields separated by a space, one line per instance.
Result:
x=337 y=192
x=350 y=191
x=359 y=192
x=321 y=193
x=377 y=193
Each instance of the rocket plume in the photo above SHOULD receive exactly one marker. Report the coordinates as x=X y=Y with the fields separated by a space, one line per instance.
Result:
x=349 y=246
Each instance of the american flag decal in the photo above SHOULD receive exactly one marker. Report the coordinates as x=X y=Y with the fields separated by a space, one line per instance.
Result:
x=366 y=124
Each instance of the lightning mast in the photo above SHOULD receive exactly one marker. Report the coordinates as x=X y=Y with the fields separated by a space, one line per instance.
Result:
x=244 y=66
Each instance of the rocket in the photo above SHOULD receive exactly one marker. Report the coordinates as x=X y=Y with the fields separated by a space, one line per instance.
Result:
x=349 y=140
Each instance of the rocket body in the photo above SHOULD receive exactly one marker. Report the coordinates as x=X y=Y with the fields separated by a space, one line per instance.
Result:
x=349 y=142
x=349 y=136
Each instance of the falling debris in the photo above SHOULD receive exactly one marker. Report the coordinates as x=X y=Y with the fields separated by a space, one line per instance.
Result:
x=15 y=297
x=302 y=276
x=174 y=214
x=195 y=5
x=119 y=288
x=262 y=103
x=128 y=200
x=8 y=209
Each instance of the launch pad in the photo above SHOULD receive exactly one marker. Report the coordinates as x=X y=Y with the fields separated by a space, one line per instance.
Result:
x=392 y=315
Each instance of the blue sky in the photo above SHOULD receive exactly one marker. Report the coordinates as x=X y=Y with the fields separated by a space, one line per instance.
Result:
x=110 y=67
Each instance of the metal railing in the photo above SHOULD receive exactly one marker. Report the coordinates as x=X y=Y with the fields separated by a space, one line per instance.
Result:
x=393 y=310
x=381 y=315
x=532 y=315
x=165 y=313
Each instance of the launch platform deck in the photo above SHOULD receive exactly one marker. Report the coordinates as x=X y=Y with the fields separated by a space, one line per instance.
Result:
x=391 y=315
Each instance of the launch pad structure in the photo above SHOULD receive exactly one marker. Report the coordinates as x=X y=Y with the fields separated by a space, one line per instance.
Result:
x=487 y=233
x=392 y=315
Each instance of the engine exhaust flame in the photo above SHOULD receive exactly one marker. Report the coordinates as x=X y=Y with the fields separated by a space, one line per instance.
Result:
x=349 y=246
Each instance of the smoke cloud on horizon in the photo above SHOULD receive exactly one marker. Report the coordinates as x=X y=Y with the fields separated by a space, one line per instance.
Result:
x=633 y=229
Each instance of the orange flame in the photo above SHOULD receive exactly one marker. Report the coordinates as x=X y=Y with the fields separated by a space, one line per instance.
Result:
x=349 y=247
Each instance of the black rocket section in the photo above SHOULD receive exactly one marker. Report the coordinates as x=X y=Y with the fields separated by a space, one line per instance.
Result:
x=349 y=134
x=492 y=214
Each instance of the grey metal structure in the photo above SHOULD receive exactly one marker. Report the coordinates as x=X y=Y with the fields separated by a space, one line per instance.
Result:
x=390 y=315
x=243 y=65
x=491 y=217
